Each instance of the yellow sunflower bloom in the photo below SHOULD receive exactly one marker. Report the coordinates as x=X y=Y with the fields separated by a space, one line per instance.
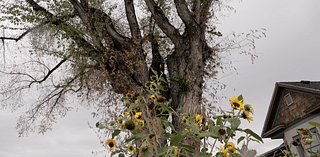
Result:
x=175 y=150
x=230 y=145
x=225 y=151
x=130 y=148
x=123 y=127
x=187 y=129
x=111 y=143
x=245 y=115
x=152 y=97
x=184 y=120
x=138 y=115
x=127 y=114
x=136 y=150
x=120 y=120
x=232 y=150
x=236 y=104
x=199 y=118
x=248 y=108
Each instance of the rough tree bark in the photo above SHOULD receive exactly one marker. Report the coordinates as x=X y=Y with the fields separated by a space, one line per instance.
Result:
x=122 y=57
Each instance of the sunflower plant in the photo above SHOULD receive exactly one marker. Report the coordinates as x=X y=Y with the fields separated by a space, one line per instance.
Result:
x=150 y=131
x=305 y=141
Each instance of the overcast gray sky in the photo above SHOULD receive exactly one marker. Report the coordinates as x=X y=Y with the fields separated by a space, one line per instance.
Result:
x=289 y=53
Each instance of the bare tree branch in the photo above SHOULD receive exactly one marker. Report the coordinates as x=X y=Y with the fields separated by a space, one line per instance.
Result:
x=23 y=34
x=131 y=17
x=51 y=71
x=164 y=24
x=185 y=14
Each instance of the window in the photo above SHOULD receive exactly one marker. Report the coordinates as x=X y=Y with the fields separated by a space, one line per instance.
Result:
x=288 y=99
x=297 y=139
x=313 y=147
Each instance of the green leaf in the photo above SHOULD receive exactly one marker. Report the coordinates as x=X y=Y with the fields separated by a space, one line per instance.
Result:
x=115 y=133
x=175 y=140
x=115 y=152
x=166 y=123
x=230 y=132
x=162 y=79
x=314 y=124
x=136 y=138
x=234 y=123
x=163 y=150
x=202 y=155
x=219 y=120
x=167 y=136
x=160 y=87
x=208 y=134
x=139 y=97
x=214 y=129
x=112 y=123
x=240 y=97
x=194 y=128
x=240 y=139
x=250 y=132
x=160 y=125
x=154 y=72
x=186 y=147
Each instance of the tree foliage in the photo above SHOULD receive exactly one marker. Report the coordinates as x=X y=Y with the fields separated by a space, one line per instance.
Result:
x=99 y=50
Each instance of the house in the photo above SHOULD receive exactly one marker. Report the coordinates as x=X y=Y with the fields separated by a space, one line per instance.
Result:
x=292 y=106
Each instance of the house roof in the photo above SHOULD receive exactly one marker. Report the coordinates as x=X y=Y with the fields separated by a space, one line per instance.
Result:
x=274 y=152
x=312 y=87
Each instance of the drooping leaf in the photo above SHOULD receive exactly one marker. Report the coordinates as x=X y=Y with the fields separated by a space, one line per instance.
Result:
x=250 y=132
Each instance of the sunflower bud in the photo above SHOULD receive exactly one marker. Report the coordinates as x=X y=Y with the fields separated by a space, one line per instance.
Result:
x=129 y=125
x=148 y=84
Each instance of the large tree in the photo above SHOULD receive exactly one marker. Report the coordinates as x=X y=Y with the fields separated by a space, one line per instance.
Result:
x=107 y=49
